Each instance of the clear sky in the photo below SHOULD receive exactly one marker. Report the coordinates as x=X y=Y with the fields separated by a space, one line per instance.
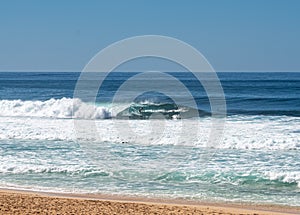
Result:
x=234 y=35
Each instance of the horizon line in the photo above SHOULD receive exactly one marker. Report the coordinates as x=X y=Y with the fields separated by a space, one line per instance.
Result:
x=218 y=71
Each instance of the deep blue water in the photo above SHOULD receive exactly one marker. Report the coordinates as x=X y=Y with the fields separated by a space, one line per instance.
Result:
x=246 y=93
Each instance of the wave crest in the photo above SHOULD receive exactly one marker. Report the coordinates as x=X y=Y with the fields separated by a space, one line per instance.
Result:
x=54 y=108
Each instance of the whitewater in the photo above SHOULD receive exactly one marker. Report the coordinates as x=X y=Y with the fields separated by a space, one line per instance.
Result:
x=50 y=120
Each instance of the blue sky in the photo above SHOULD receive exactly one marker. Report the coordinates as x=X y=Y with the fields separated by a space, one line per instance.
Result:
x=234 y=35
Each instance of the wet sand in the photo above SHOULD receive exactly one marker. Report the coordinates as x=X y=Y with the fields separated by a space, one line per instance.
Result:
x=24 y=202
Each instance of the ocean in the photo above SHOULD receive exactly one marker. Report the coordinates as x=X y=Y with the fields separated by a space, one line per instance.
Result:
x=257 y=161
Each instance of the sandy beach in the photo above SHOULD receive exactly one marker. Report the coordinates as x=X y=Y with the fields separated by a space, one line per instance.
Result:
x=24 y=202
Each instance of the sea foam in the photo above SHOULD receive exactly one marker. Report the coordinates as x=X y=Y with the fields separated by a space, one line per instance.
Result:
x=53 y=108
x=240 y=133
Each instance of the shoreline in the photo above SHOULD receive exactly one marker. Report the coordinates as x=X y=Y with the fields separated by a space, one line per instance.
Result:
x=14 y=200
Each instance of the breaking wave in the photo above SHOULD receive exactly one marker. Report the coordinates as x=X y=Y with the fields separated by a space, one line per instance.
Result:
x=53 y=108
x=77 y=109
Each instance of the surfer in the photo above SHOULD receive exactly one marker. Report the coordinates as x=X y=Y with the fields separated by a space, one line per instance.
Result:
x=140 y=109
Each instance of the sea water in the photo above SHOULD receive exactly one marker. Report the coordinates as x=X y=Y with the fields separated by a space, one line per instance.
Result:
x=257 y=161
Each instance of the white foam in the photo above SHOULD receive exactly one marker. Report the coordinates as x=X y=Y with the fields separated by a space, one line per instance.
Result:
x=53 y=108
x=240 y=133
x=286 y=177
x=54 y=120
